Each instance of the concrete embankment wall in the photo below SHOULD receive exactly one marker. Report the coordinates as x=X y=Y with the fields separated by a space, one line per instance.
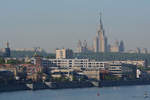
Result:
x=40 y=86
x=124 y=83
x=13 y=87
x=60 y=85
x=64 y=85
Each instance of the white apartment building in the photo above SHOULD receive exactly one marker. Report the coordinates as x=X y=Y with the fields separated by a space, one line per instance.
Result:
x=82 y=63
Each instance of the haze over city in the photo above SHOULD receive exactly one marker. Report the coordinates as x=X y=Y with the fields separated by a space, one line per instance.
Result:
x=74 y=49
x=55 y=24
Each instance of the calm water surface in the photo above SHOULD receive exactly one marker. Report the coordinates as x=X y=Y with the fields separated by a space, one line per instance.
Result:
x=106 y=93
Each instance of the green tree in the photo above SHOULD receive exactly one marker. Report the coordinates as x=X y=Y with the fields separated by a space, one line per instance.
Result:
x=2 y=61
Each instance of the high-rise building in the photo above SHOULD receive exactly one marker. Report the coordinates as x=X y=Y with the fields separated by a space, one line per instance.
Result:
x=100 y=41
x=82 y=48
x=138 y=50
x=96 y=44
x=115 y=47
x=121 y=46
x=79 y=47
x=108 y=48
x=144 y=51
x=85 y=47
x=64 y=54
x=7 y=51
x=106 y=45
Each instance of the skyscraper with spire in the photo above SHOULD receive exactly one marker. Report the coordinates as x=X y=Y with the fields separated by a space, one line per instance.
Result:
x=100 y=41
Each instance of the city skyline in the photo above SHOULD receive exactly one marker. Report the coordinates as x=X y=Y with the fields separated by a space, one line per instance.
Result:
x=49 y=27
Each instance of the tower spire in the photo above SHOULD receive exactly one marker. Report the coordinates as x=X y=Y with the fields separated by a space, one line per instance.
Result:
x=101 y=24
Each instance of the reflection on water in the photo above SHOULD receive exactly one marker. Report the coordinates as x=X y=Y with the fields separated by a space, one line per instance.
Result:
x=106 y=93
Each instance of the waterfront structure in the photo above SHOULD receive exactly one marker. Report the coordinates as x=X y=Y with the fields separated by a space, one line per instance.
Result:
x=123 y=70
x=92 y=73
x=93 y=69
x=31 y=71
x=84 y=63
x=69 y=63
x=100 y=41
x=59 y=72
x=64 y=54
x=90 y=68
x=81 y=63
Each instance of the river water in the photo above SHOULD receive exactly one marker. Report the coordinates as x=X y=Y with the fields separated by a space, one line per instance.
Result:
x=105 y=93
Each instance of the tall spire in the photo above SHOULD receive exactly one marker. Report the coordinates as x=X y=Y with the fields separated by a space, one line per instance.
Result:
x=101 y=24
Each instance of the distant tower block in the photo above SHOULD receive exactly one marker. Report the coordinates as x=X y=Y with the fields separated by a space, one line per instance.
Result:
x=64 y=54
x=144 y=51
x=79 y=47
x=85 y=46
x=7 y=52
x=138 y=50
x=96 y=44
x=7 y=44
x=121 y=46
x=115 y=47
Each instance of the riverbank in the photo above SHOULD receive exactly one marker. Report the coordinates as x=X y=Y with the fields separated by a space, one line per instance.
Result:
x=123 y=83
x=13 y=87
x=66 y=85
x=45 y=85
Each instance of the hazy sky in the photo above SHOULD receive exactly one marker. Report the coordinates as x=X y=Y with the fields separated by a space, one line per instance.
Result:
x=54 y=24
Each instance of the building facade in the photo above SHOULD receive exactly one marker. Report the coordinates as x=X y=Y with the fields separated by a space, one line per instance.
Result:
x=82 y=47
x=7 y=52
x=115 y=47
x=64 y=54
x=121 y=47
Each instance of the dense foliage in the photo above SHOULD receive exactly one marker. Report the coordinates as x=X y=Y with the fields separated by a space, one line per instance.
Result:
x=89 y=55
x=30 y=54
x=113 y=56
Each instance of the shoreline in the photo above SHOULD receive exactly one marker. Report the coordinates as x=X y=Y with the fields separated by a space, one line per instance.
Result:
x=124 y=83
x=69 y=85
